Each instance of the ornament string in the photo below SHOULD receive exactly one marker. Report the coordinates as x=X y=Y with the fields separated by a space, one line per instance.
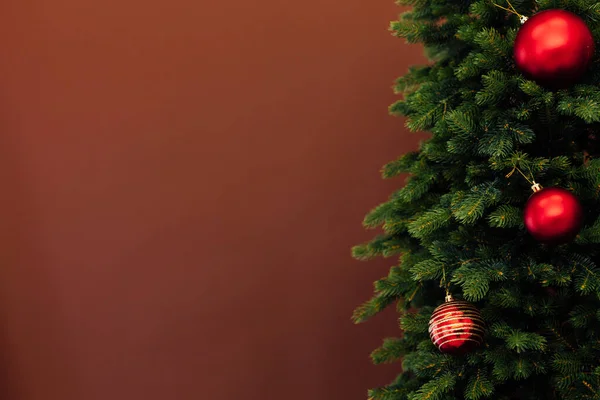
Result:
x=534 y=185
x=445 y=283
x=512 y=10
x=516 y=169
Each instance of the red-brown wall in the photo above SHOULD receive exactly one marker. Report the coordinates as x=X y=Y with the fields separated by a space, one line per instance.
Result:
x=182 y=183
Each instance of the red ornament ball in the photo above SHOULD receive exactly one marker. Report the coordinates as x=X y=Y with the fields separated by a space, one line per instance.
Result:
x=553 y=216
x=554 y=48
x=456 y=327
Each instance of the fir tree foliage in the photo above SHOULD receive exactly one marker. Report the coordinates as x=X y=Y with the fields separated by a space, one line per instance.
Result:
x=459 y=214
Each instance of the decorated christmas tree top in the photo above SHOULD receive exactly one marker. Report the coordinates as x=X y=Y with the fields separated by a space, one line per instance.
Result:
x=497 y=229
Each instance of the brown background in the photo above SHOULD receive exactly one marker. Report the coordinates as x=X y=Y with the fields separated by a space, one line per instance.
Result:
x=182 y=182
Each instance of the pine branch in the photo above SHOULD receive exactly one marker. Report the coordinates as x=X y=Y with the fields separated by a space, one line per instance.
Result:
x=390 y=351
x=582 y=315
x=403 y=164
x=506 y=216
x=387 y=393
x=479 y=387
x=382 y=245
x=429 y=222
x=434 y=389
x=470 y=207
x=522 y=341
x=371 y=308
x=427 y=270
x=496 y=86
x=474 y=282
x=416 y=322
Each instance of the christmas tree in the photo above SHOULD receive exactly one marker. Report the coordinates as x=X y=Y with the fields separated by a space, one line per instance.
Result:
x=496 y=231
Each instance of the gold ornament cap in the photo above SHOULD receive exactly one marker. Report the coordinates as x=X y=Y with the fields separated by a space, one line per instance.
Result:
x=536 y=187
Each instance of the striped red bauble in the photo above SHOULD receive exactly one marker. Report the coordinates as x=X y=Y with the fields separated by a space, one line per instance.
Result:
x=456 y=327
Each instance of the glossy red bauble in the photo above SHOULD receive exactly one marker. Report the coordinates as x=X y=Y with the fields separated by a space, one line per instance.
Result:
x=554 y=48
x=553 y=215
x=456 y=327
